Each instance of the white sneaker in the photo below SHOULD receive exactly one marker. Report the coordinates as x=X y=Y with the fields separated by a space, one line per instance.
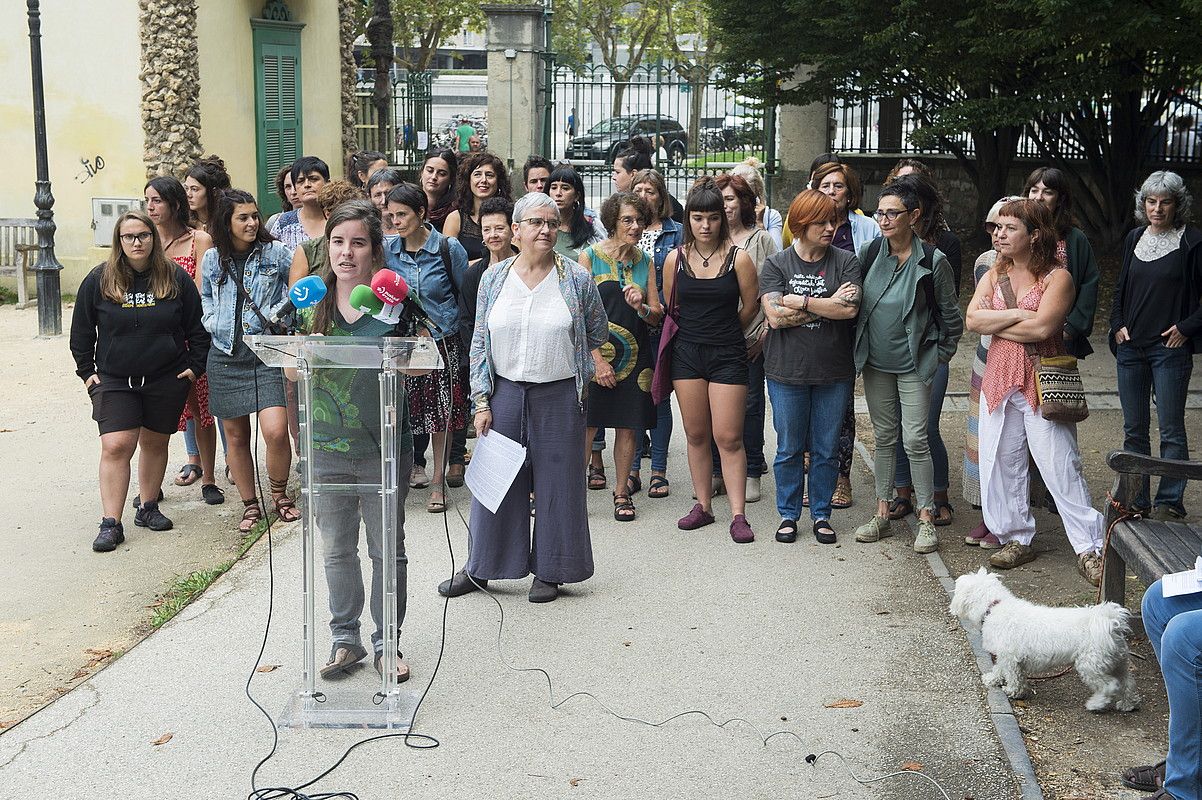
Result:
x=418 y=478
x=753 y=490
x=926 y=540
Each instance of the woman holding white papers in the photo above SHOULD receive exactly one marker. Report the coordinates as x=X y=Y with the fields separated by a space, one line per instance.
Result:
x=538 y=318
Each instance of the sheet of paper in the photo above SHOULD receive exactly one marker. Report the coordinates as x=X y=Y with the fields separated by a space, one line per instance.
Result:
x=495 y=462
x=423 y=140
x=1179 y=583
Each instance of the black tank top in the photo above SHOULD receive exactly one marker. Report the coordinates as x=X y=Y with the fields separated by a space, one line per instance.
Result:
x=709 y=307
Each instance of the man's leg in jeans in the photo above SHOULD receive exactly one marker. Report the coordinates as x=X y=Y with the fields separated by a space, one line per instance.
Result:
x=1174 y=627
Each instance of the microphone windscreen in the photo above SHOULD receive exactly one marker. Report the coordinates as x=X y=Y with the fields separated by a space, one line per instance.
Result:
x=308 y=291
x=389 y=287
x=364 y=299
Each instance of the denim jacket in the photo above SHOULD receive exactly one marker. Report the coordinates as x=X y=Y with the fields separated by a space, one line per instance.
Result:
x=429 y=283
x=265 y=279
x=670 y=237
x=590 y=325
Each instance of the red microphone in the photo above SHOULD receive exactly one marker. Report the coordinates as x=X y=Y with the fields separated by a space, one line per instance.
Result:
x=392 y=290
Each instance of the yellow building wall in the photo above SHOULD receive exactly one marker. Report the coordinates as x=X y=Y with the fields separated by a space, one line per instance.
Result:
x=90 y=62
x=227 y=83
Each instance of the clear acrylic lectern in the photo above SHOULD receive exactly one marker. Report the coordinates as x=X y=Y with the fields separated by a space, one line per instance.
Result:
x=351 y=385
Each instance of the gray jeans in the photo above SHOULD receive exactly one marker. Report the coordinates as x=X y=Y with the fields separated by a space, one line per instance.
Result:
x=338 y=518
x=898 y=406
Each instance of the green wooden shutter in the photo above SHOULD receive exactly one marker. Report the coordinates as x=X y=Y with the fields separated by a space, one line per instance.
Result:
x=278 y=117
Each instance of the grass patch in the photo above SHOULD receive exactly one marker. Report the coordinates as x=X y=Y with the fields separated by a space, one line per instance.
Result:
x=726 y=156
x=184 y=589
x=7 y=296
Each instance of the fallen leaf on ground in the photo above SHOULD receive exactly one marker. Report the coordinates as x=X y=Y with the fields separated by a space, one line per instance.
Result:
x=99 y=653
x=269 y=668
x=166 y=737
x=575 y=781
x=844 y=703
x=8 y=723
x=79 y=673
x=912 y=766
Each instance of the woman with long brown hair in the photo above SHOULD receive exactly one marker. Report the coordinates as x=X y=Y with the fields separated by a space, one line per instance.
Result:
x=1022 y=303
x=138 y=343
x=481 y=176
x=204 y=182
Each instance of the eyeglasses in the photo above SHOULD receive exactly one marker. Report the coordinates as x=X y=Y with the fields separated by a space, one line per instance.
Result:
x=890 y=214
x=130 y=238
x=630 y=222
x=538 y=223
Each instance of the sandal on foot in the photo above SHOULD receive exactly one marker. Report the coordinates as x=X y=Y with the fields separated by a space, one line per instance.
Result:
x=1147 y=778
x=786 y=531
x=939 y=518
x=285 y=509
x=658 y=487
x=842 y=495
x=596 y=477
x=623 y=508
x=402 y=669
x=188 y=475
x=342 y=659
x=824 y=533
x=901 y=507
x=634 y=484
x=251 y=514
x=437 y=506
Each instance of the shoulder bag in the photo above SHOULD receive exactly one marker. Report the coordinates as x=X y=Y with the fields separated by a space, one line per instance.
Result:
x=1057 y=378
x=661 y=381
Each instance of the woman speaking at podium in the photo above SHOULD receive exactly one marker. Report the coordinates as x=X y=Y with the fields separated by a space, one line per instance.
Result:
x=346 y=443
x=538 y=319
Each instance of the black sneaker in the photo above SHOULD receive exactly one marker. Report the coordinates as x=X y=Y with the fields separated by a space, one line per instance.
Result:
x=138 y=499
x=112 y=533
x=212 y=494
x=149 y=516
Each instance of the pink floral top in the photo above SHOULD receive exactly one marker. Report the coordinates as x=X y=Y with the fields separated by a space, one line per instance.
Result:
x=1007 y=366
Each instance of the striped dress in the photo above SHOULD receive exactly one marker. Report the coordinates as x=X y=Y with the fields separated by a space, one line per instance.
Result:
x=972 y=467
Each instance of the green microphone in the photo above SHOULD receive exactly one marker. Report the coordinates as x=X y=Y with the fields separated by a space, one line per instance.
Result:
x=364 y=299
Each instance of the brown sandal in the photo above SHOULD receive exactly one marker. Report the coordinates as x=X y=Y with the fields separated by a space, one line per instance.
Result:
x=596 y=477
x=285 y=509
x=251 y=514
x=623 y=508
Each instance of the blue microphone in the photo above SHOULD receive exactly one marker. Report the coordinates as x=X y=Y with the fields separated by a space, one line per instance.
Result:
x=306 y=292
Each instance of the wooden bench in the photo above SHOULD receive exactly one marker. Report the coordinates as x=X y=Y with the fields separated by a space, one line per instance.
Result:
x=18 y=249
x=1149 y=548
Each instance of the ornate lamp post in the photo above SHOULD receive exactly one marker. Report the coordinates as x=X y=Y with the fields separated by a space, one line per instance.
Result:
x=47 y=268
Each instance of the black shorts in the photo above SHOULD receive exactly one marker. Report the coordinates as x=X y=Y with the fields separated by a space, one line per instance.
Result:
x=118 y=406
x=716 y=363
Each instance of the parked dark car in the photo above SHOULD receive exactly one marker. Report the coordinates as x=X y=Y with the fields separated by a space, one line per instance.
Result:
x=608 y=138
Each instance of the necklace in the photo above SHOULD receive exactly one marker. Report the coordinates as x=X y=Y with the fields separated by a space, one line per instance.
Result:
x=705 y=260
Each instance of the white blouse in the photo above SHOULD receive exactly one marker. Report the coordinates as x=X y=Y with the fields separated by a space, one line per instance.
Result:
x=531 y=331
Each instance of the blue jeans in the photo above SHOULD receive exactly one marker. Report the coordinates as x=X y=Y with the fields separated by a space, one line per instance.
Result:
x=1162 y=374
x=190 y=445
x=801 y=414
x=753 y=423
x=1174 y=627
x=901 y=475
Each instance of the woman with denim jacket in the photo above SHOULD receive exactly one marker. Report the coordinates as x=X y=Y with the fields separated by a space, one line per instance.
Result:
x=416 y=254
x=244 y=281
x=538 y=319
x=660 y=237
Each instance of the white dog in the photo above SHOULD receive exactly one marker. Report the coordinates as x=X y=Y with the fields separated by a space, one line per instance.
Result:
x=1025 y=639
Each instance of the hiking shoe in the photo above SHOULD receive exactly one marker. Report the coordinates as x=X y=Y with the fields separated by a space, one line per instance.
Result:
x=343 y=656
x=1012 y=555
x=990 y=542
x=149 y=516
x=926 y=541
x=212 y=494
x=112 y=533
x=874 y=530
x=137 y=502
x=1090 y=566
x=697 y=518
x=740 y=530
x=1166 y=514
x=418 y=478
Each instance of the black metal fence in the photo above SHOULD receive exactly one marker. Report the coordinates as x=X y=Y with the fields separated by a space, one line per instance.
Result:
x=410 y=126
x=694 y=126
x=887 y=125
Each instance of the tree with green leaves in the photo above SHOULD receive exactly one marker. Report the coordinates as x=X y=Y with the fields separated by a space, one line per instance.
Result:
x=619 y=28
x=379 y=35
x=1083 y=80
x=694 y=44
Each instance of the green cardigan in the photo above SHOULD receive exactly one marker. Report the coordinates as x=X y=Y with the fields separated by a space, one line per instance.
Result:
x=930 y=344
x=1084 y=269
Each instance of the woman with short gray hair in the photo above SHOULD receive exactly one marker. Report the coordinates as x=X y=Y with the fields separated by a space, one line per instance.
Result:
x=538 y=319
x=1156 y=328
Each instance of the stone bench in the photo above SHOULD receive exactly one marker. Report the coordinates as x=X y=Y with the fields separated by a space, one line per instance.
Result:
x=1150 y=549
x=18 y=249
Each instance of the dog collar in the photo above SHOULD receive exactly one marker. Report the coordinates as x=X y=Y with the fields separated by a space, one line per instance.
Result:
x=989 y=608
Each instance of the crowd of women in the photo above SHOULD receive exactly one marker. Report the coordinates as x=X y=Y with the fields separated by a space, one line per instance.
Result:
x=568 y=329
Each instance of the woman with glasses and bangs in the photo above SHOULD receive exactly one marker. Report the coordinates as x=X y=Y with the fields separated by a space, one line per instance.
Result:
x=717 y=296
x=538 y=321
x=139 y=346
x=909 y=324
x=626 y=282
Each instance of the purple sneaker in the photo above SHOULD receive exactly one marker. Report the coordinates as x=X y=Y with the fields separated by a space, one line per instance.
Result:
x=740 y=530
x=697 y=518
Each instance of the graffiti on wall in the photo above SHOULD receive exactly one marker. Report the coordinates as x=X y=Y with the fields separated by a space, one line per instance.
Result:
x=90 y=168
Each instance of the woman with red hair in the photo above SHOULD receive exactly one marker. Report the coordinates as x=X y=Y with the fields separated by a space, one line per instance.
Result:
x=1022 y=303
x=810 y=293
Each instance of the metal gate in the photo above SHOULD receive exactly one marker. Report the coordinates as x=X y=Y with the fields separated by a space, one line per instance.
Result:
x=412 y=99
x=699 y=127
